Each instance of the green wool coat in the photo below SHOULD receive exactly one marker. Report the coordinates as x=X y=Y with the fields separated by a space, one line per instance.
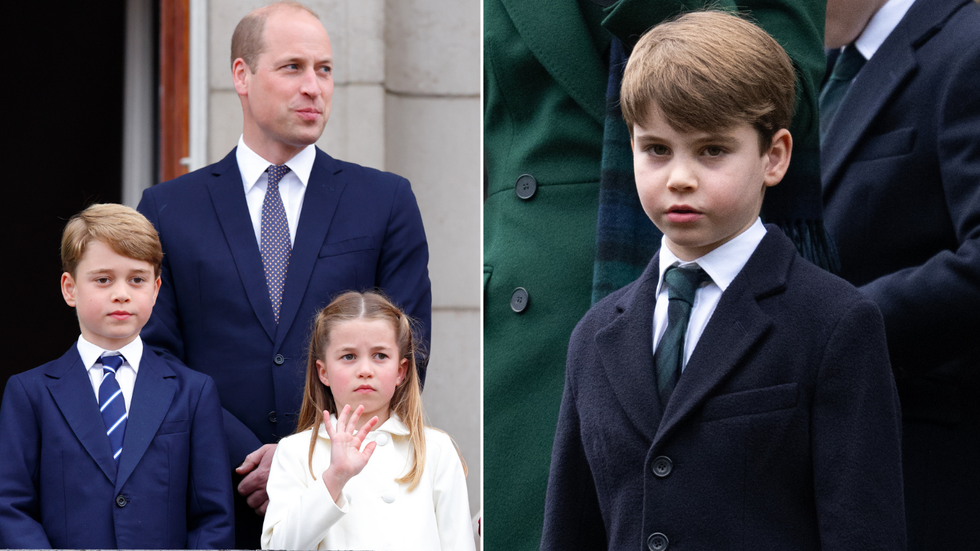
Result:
x=545 y=77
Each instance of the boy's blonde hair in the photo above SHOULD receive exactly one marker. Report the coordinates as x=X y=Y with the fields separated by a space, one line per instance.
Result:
x=121 y=228
x=707 y=71
x=407 y=399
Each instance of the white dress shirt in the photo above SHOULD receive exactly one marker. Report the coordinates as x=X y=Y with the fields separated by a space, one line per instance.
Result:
x=292 y=187
x=882 y=23
x=125 y=374
x=722 y=264
x=375 y=511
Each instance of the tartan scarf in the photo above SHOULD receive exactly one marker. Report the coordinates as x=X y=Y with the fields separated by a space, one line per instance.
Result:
x=626 y=239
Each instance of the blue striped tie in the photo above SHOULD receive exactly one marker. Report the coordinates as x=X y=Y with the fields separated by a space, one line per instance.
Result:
x=112 y=405
x=274 y=238
x=682 y=285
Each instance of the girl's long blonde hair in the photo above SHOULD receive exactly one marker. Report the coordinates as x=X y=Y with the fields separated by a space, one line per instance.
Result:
x=407 y=399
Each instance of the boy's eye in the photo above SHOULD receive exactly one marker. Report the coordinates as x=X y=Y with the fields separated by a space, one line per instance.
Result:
x=102 y=280
x=659 y=149
x=138 y=280
x=713 y=151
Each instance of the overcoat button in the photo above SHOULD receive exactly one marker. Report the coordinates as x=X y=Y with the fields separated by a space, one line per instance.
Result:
x=526 y=186
x=388 y=498
x=279 y=359
x=381 y=439
x=657 y=542
x=272 y=416
x=121 y=501
x=662 y=466
x=518 y=300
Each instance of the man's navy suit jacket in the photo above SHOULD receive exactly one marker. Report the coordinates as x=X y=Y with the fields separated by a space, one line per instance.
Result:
x=782 y=433
x=60 y=488
x=359 y=229
x=901 y=185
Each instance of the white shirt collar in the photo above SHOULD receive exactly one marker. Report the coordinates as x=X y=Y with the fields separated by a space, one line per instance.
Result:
x=90 y=353
x=882 y=23
x=723 y=263
x=252 y=165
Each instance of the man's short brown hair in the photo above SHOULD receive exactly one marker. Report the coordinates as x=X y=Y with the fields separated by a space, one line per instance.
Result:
x=707 y=71
x=121 y=228
x=247 y=42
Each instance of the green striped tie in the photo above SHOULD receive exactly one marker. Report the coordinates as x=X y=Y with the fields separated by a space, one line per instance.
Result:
x=682 y=285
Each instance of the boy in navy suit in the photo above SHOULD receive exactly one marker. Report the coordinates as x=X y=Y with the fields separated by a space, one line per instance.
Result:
x=734 y=396
x=110 y=446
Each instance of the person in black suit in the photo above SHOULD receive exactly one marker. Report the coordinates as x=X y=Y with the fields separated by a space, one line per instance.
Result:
x=901 y=187
x=770 y=418
x=245 y=271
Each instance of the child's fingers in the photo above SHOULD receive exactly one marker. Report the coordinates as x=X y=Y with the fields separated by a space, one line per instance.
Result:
x=342 y=418
x=369 y=449
x=326 y=422
x=352 y=424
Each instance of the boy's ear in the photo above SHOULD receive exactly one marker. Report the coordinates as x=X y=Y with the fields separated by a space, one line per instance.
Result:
x=778 y=156
x=156 y=289
x=68 y=288
x=321 y=369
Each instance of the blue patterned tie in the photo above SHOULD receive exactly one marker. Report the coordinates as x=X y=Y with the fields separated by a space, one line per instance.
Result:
x=112 y=405
x=274 y=241
x=682 y=285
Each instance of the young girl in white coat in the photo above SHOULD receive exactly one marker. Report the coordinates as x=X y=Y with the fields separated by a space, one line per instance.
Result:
x=338 y=484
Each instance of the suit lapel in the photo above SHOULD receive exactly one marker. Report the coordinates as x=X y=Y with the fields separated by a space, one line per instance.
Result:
x=71 y=390
x=736 y=328
x=319 y=204
x=228 y=197
x=626 y=350
x=883 y=76
x=152 y=395
x=573 y=68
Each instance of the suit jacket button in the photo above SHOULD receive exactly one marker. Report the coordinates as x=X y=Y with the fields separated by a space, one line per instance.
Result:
x=657 y=542
x=518 y=300
x=526 y=186
x=662 y=466
x=272 y=416
x=121 y=501
x=279 y=359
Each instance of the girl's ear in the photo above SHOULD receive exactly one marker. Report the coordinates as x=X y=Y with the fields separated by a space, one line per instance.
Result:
x=321 y=369
x=402 y=371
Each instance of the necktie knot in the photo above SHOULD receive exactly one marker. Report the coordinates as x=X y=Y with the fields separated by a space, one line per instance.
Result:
x=683 y=283
x=112 y=362
x=848 y=63
x=276 y=172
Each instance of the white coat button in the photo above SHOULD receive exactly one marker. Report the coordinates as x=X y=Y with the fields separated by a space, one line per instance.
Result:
x=388 y=498
x=382 y=439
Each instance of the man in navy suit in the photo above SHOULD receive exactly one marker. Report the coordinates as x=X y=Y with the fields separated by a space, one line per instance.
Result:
x=230 y=308
x=901 y=186
x=110 y=445
x=735 y=396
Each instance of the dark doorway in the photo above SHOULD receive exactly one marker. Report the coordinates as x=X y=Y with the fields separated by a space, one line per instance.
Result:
x=64 y=96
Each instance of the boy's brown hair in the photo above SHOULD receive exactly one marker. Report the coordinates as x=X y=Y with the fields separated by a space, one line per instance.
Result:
x=125 y=231
x=708 y=71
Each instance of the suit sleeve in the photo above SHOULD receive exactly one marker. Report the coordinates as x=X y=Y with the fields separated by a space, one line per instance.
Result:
x=932 y=311
x=162 y=333
x=856 y=433
x=403 y=266
x=572 y=518
x=20 y=440
x=210 y=510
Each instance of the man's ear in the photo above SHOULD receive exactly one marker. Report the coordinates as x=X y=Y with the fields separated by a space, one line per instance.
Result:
x=68 y=288
x=778 y=156
x=239 y=75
